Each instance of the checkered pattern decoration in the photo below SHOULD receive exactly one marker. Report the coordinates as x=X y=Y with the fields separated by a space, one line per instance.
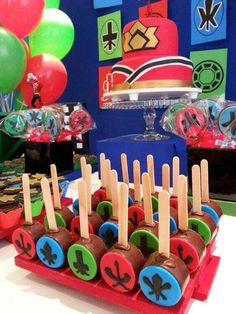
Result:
x=68 y=108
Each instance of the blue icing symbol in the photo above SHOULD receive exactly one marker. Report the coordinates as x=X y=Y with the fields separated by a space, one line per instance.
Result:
x=159 y=286
x=34 y=117
x=50 y=252
x=64 y=185
x=210 y=211
x=214 y=108
x=108 y=232
x=227 y=121
x=173 y=225
x=75 y=207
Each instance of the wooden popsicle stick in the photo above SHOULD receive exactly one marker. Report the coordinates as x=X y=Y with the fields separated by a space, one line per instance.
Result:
x=83 y=166
x=47 y=198
x=27 y=200
x=175 y=174
x=88 y=181
x=55 y=187
x=123 y=215
x=102 y=168
x=166 y=177
x=196 y=189
x=151 y=172
x=107 y=178
x=205 y=181
x=164 y=223
x=182 y=203
x=137 y=183
x=83 y=210
x=124 y=167
x=114 y=193
x=147 y=200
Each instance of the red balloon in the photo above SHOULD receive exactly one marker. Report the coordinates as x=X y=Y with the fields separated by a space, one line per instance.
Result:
x=51 y=75
x=21 y=16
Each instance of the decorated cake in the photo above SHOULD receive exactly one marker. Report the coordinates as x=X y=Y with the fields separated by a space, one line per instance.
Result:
x=150 y=57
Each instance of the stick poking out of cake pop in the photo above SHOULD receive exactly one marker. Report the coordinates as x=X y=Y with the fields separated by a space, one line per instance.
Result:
x=121 y=265
x=151 y=172
x=164 y=276
x=84 y=256
x=186 y=243
x=52 y=247
x=125 y=177
x=25 y=237
x=100 y=194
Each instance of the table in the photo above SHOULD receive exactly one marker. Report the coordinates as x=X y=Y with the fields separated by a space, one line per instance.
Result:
x=23 y=292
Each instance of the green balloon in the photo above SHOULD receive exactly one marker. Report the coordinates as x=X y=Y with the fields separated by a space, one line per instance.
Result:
x=12 y=61
x=54 y=35
x=49 y=4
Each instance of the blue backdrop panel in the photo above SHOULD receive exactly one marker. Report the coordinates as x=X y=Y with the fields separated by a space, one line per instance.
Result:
x=82 y=61
x=162 y=151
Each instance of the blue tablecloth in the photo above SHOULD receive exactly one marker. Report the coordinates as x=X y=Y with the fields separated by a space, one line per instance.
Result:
x=162 y=151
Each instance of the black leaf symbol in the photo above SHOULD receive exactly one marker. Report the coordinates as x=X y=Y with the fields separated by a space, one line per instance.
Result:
x=80 y=265
x=47 y=252
x=25 y=248
x=117 y=277
x=156 y=286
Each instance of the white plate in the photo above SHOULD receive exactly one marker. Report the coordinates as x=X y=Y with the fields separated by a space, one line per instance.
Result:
x=152 y=93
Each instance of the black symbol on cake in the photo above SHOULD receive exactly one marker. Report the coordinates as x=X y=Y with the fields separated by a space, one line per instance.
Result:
x=208 y=14
x=24 y=247
x=109 y=39
x=34 y=117
x=208 y=75
x=106 y=213
x=48 y=256
x=144 y=248
x=134 y=218
x=79 y=265
x=120 y=281
x=188 y=259
x=156 y=286
x=231 y=124
x=109 y=237
x=190 y=120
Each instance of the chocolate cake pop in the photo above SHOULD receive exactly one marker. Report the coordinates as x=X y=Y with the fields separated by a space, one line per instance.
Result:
x=145 y=236
x=121 y=265
x=100 y=194
x=186 y=243
x=52 y=247
x=63 y=214
x=208 y=206
x=151 y=172
x=94 y=220
x=200 y=221
x=108 y=231
x=104 y=208
x=25 y=237
x=164 y=276
x=166 y=187
x=84 y=256
x=135 y=211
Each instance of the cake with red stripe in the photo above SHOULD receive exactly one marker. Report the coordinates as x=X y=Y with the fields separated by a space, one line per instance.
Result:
x=150 y=57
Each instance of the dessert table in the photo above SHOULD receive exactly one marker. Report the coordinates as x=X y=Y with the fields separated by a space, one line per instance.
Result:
x=24 y=292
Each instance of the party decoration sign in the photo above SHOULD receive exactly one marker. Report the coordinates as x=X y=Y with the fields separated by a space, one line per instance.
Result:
x=208 y=20
x=105 y=79
x=209 y=73
x=159 y=8
x=98 y=4
x=109 y=36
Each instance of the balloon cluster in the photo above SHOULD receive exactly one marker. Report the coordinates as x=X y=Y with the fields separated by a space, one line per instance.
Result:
x=209 y=123
x=47 y=124
x=51 y=36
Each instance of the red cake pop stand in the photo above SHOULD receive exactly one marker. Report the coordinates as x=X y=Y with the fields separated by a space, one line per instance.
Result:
x=198 y=287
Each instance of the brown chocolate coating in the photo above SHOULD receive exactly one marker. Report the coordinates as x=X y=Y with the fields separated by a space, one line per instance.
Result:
x=193 y=238
x=95 y=221
x=62 y=236
x=155 y=194
x=114 y=220
x=35 y=230
x=9 y=207
x=214 y=205
x=132 y=254
x=66 y=214
x=94 y=202
x=173 y=264
x=151 y=228
x=95 y=245
x=205 y=218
